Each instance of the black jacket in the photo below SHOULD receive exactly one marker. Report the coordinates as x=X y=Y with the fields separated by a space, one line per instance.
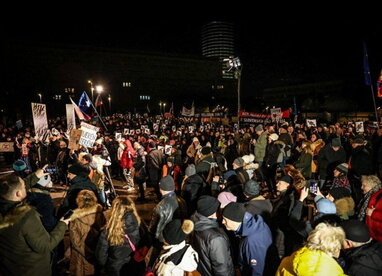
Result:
x=361 y=161
x=114 y=257
x=365 y=260
x=169 y=208
x=212 y=245
x=192 y=189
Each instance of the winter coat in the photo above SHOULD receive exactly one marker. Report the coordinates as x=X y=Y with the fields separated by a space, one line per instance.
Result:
x=115 y=257
x=84 y=230
x=361 y=161
x=25 y=245
x=79 y=183
x=30 y=181
x=205 y=164
x=309 y=262
x=271 y=157
x=260 y=206
x=345 y=207
x=304 y=164
x=193 y=187
x=127 y=156
x=43 y=202
x=256 y=238
x=175 y=260
x=260 y=146
x=328 y=159
x=316 y=147
x=365 y=260
x=341 y=181
x=213 y=247
x=155 y=159
x=169 y=208
x=374 y=222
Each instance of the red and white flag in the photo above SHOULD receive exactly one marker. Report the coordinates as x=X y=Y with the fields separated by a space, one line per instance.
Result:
x=78 y=111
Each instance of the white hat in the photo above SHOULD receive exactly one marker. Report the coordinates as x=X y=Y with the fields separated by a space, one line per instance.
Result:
x=248 y=158
x=274 y=136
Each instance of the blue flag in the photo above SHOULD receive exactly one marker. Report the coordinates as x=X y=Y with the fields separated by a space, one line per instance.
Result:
x=84 y=103
x=366 y=67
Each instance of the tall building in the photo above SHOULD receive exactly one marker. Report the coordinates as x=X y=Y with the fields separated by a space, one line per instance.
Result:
x=218 y=42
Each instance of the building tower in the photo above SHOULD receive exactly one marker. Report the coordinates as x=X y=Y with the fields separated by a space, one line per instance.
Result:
x=218 y=42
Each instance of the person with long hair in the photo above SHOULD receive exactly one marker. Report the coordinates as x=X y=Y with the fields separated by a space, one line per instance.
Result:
x=85 y=229
x=120 y=236
x=304 y=162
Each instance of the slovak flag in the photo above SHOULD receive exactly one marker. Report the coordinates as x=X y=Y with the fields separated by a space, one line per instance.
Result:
x=84 y=103
x=80 y=114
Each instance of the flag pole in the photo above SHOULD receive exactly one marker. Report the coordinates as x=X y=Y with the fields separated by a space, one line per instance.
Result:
x=375 y=105
x=96 y=111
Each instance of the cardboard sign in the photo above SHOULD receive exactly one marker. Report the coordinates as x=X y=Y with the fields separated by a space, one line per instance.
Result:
x=74 y=139
x=118 y=136
x=39 y=119
x=311 y=122
x=173 y=128
x=6 y=147
x=167 y=149
x=359 y=127
x=276 y=114
x=126 y=131
x=89 y=135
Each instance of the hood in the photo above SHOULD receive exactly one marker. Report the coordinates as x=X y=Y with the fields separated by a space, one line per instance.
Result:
x=368 y=255
x=12 y=212
x=345 y=206
x=83 y=212
x=202 y=223
x=254 y=224
x=318 y=142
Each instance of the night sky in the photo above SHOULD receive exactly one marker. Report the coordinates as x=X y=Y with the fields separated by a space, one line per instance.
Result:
x=275 y=50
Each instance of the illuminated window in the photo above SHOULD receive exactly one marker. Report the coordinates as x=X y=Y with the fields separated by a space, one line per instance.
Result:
x=126 y=84
x=144 y=98
x=57 y=97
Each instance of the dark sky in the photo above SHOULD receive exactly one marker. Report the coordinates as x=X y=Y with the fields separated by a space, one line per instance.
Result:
x=275 y=50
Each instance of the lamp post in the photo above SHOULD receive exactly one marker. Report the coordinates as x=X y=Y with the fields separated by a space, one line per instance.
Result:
x=109 y=98
x=99 y=90
x=91 y=89
x=235 y=64
x=40 y=95
x=160 y=107
x=164 y=108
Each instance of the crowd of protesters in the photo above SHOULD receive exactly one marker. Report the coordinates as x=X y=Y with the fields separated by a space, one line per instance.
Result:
x=268 y=199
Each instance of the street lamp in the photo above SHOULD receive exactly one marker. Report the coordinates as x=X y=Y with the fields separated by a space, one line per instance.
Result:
x=91 y=88
x=109 y=98
x=40 y=95
x=235 y=65
x=160 y=107
x=99 y=89
x=164 y=108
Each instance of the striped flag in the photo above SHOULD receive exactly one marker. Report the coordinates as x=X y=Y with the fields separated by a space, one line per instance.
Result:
x=80 y=114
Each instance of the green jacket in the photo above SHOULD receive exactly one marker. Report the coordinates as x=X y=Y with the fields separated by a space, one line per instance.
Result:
x=25 y=245
x=304 y=164
x=260 y=146
x=30 y=181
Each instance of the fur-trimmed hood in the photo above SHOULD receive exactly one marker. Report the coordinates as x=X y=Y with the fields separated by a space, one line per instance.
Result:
x=83 y=212
x=14 y=215
x=345 y=207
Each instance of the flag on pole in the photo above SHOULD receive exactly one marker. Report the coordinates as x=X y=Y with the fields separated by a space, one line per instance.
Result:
x=147 y=107
x=84 y=104
x=379 y=86
x=366 y=67
x=188 y=112
x=172 y=108
x=99 y=100
x=80 y=114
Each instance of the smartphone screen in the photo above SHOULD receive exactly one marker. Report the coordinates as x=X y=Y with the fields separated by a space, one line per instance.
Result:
x=313 y=187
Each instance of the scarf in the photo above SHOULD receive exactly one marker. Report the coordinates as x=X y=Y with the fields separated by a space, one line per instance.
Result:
x=362 y=206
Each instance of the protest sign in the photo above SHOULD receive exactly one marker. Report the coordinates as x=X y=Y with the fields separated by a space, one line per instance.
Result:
x=359 y=127
x=6 y=147
x=167 y=149
x=70 y=118
x=118 y=136
x=74 y=139
x=88 y=135
x=311 y=122
x=39 y=119
x=126 y=131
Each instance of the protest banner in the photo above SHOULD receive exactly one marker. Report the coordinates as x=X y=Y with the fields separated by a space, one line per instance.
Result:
x=70 y=117
x=39 y=119
x=276 y=114
x=74 y=139
x=6 y=147
x=89 y=135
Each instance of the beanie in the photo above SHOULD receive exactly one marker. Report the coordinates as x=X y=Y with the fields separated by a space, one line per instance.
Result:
x=175 y=231
x=325 y=206
x=19 y=165
x=234 y=211
x=167 y=183
x=356 y=230
x=152 y=145
x=251 y=188
x=206 y=150
x=336 y=142
x=287 y=179
x=259 y=128
x=190 y=170
x=239 y=162
x=339 y=192
x=78 y=169
x=207 y=205
x=45 y=181
x=343 y=168
x=274 y=136
x=225 y=198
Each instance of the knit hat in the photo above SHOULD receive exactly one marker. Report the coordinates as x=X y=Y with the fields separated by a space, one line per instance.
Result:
x=175 y=231
x=206 y=150
x=78 y=169
x=19 y=165
x=343 y=168
x=167 y=183
x=259 y=128
x=287 y=179
x=45 y=181
x=234 y=211
x=152 y=145
x=339 y=192
x=190 y=170
x=225 y=198
x=207 y=205
x=251 y=188
x=274 y=136
x=356 y=230
x=324 y=205
x=239 y=162
x=336 y=142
